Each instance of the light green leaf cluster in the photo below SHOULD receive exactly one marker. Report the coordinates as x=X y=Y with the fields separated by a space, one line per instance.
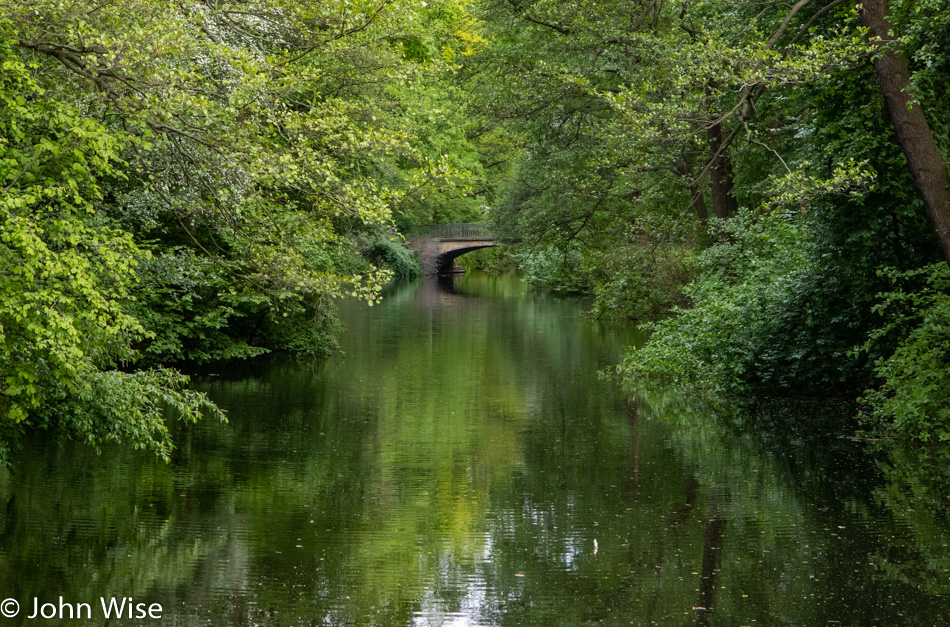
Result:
x=797 y=188
x=65 y=279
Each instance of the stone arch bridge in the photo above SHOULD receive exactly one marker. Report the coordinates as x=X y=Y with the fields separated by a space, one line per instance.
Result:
x=439 y=245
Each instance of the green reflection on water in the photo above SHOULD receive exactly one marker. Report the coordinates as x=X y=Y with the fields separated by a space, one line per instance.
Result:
x=456 y=466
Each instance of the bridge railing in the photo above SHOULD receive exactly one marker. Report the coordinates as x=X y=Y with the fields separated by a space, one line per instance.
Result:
x=454 y=231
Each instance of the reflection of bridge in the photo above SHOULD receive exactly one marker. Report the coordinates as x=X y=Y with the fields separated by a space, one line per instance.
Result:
x=438 y=245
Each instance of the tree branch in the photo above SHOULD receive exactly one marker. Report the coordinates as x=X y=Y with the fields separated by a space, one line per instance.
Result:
x=785 y=22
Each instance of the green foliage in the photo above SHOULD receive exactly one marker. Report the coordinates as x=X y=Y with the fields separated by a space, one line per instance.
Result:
x=64 y=328
x=127 y=408
x=495 y=261
x=621 y=167
x=556 y=269
x=188 y=183
x=183 y=182
x=771 y=309
x=913 y=398
x=184 y=299
x=640 y=282
x=309 y=331
x=394 y=255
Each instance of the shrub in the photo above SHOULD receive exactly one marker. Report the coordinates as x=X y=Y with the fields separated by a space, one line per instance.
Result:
x=774 y=308
x=913 y=397
x=393 y=255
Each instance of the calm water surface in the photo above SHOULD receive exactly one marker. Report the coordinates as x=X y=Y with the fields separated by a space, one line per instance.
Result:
x=460 y=463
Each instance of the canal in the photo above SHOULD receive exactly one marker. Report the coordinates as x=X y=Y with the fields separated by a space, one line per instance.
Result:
x=462 y=462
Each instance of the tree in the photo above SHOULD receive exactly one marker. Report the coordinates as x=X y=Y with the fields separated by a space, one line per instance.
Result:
x=924 y=159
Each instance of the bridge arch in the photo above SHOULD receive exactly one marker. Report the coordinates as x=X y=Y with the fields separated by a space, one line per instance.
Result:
x=445 y=262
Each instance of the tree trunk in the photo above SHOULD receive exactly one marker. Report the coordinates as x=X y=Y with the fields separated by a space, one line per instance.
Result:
x=720 y=175
x=696 y=195
x=699 y=202
x=913 y=133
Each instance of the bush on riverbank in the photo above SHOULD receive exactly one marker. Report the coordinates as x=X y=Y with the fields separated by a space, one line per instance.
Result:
x=394 y=255
x=913 y=396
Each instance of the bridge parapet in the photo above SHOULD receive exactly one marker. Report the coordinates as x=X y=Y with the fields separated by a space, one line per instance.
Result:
x=458 y=231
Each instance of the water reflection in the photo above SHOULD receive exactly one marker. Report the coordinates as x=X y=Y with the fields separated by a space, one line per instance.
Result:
x=462 y=464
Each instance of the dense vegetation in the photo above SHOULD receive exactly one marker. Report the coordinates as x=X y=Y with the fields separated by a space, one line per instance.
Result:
x=772 y=174
x=196 y=181
x=187 y=182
